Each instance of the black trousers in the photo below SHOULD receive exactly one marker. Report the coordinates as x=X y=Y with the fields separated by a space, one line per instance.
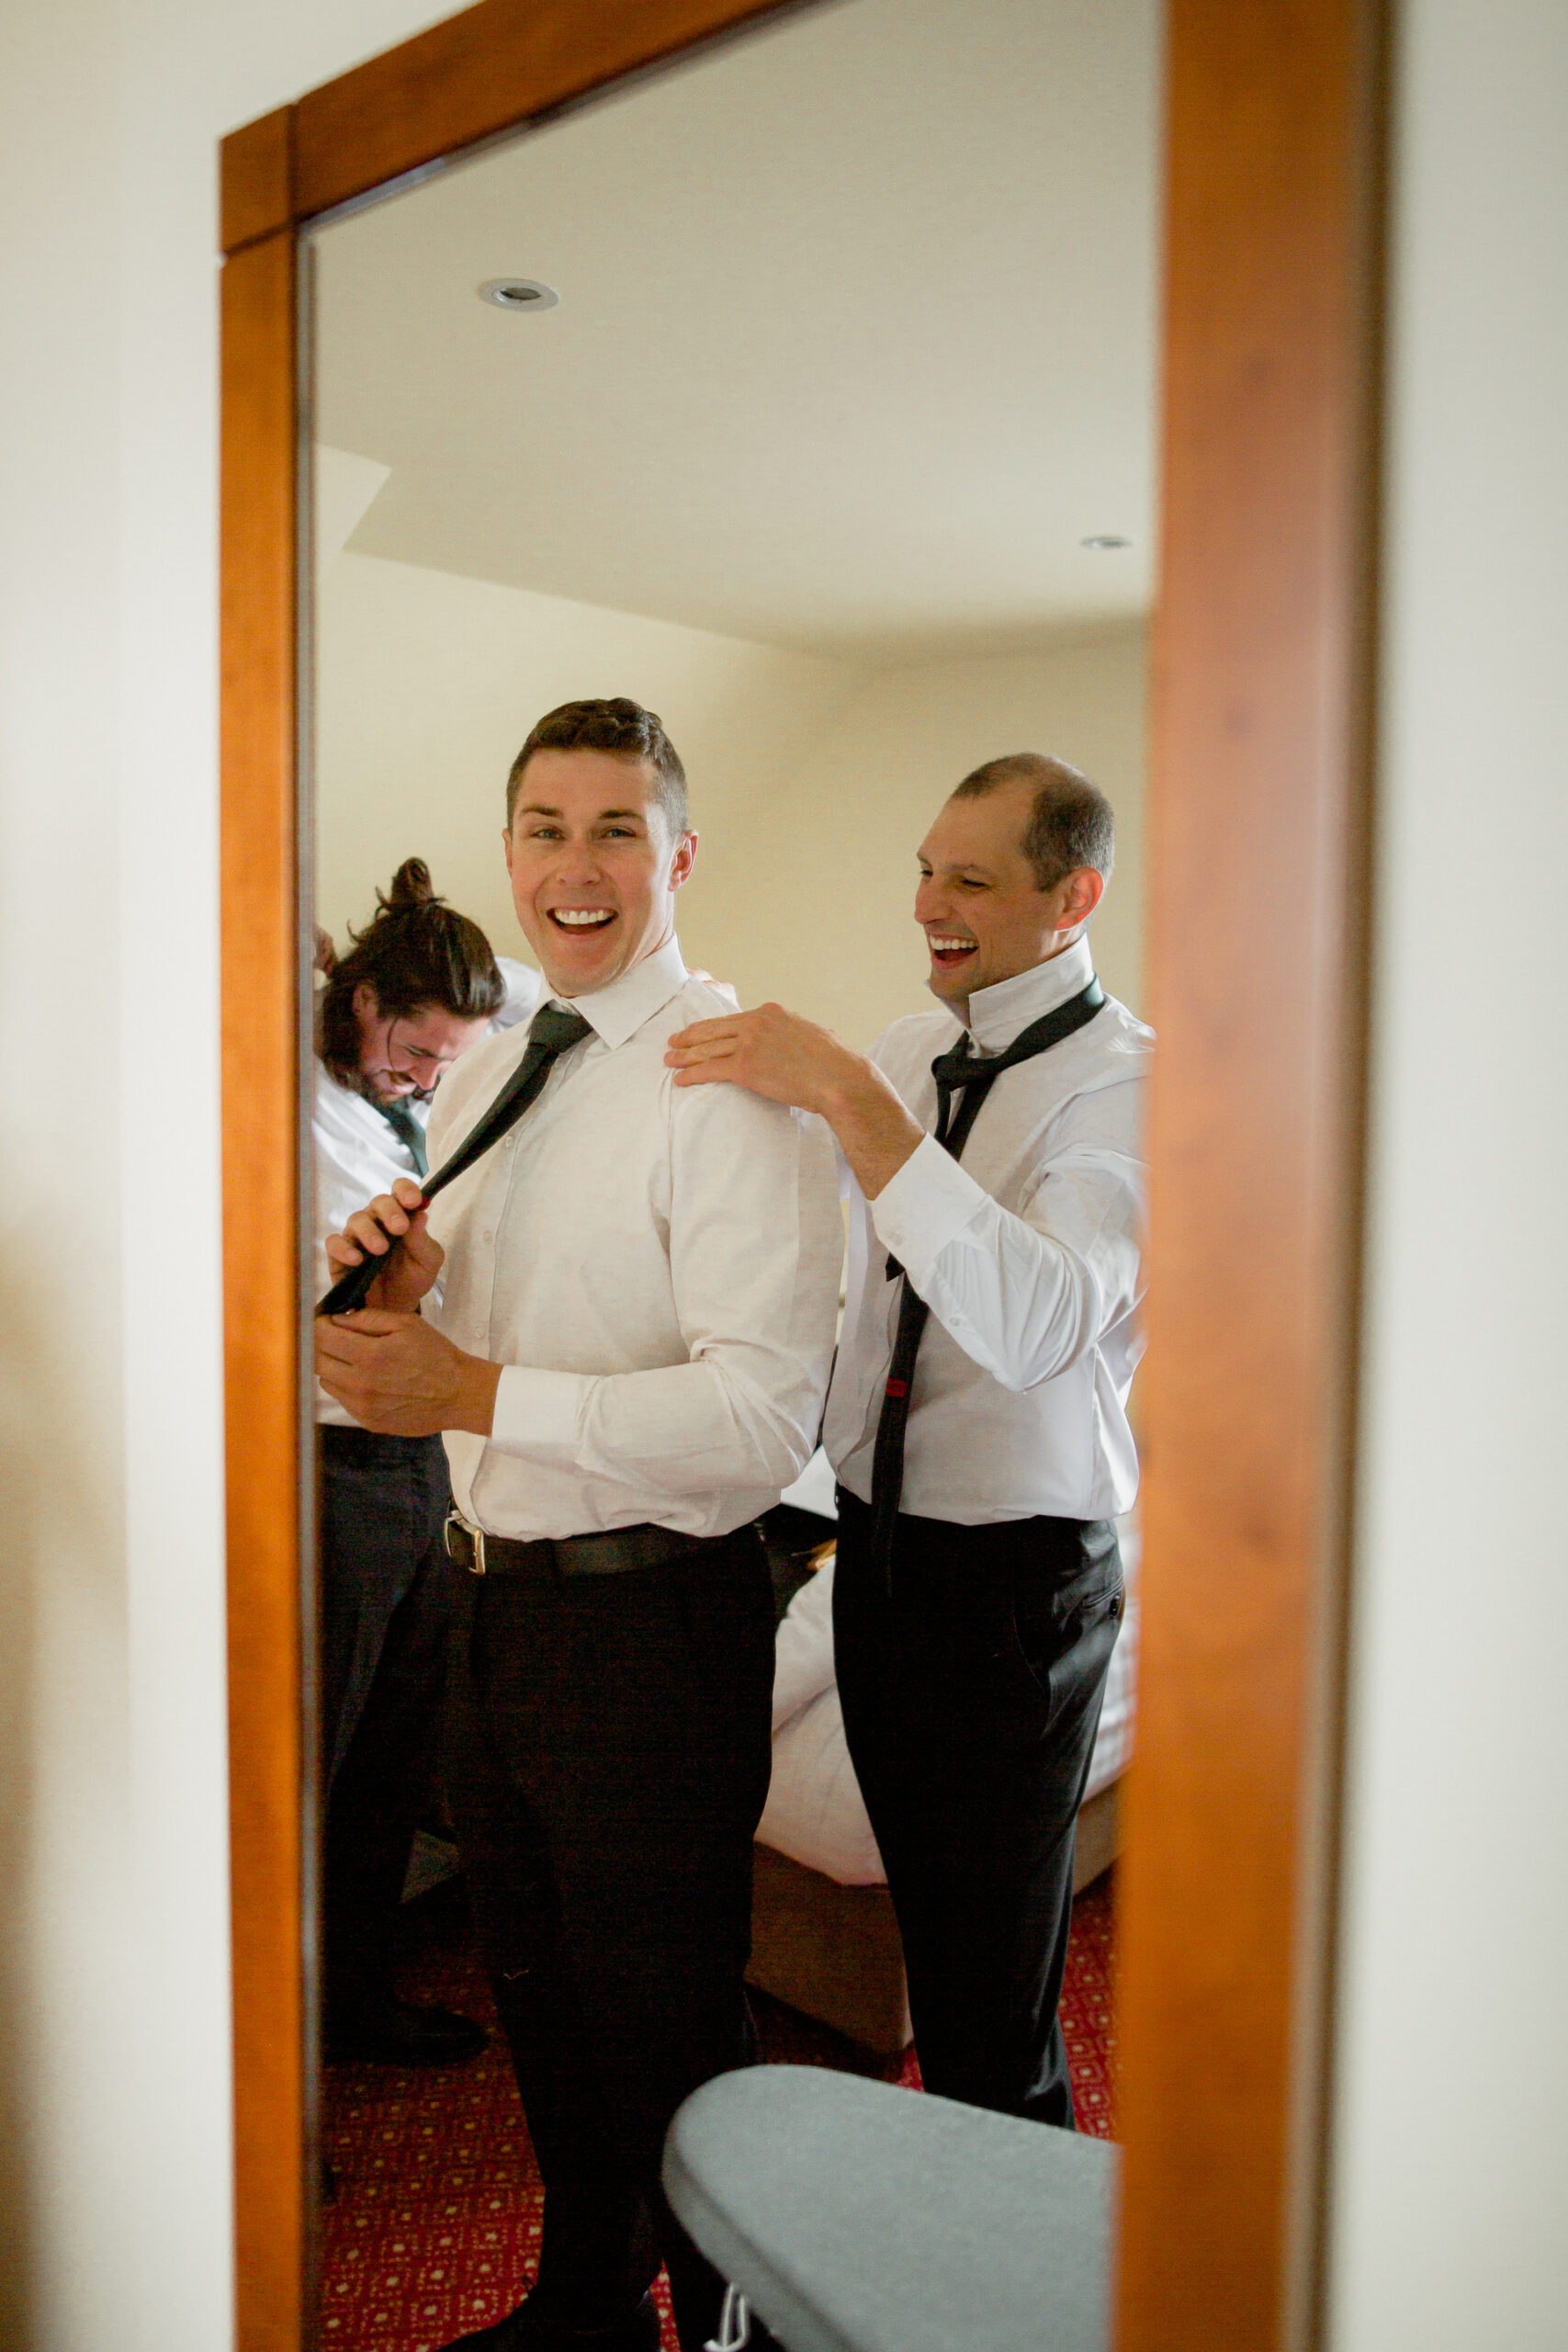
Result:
x=611 y=1753
x=971 y=1696
x=386 y=1596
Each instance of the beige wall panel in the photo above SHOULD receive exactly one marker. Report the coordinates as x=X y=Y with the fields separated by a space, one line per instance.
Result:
x=812 y=780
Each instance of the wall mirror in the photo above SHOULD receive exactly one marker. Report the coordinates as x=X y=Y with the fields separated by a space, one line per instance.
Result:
x=831 y=435
x=817 y=413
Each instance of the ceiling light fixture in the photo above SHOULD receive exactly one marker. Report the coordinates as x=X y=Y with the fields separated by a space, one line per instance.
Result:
x=519 y=294
x=1103 y=540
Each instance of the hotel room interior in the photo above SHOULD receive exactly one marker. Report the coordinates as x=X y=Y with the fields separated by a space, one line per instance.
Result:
x=812 y=405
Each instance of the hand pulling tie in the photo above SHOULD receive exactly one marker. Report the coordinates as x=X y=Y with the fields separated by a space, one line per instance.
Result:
x=974 y=1076
x=551 y=1032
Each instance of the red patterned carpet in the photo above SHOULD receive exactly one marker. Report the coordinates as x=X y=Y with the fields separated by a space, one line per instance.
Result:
x=436 y=2227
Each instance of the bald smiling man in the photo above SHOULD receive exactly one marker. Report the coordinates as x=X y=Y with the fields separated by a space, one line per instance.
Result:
x=977 y=1418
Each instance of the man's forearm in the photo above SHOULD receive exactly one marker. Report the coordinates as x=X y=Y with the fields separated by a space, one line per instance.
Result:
x=398 y=1374
x=876 y=1134
x=696 y=1428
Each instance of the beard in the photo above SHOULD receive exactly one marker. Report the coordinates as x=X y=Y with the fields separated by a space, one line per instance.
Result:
x=365 y=1083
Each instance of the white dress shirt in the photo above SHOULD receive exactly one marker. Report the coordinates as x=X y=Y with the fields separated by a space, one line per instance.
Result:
x=1028 y=1253
x=356 y=1156
x=656 y=1266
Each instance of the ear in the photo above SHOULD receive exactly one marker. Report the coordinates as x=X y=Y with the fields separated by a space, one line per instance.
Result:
x=1077 y=895
x=366 y=1004
x=684 y=860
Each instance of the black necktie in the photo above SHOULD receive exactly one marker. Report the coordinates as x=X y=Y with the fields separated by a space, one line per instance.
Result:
x=409 y=1131
x=958 y=1071
x=552 y=1030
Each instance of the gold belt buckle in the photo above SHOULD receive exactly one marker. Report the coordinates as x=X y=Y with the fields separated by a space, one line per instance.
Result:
x=476 y=1535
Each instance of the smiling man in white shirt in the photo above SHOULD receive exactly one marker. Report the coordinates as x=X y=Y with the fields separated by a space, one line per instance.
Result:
x=627 y=1316
x=982 y=1454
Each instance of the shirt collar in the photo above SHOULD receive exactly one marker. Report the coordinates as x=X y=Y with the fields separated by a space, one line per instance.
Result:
x=1001 y=1013
x=619 y=1010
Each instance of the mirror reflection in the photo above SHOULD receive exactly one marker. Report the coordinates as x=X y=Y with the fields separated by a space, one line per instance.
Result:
x=734 y=633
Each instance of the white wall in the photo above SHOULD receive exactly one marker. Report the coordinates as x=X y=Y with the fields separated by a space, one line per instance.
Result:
x=812 y=780
x=1452 y=2189
x=114 y=2061
x=65 y=1732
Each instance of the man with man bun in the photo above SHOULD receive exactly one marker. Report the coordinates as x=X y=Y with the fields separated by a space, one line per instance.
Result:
x=417 y=988
x=977 y=1420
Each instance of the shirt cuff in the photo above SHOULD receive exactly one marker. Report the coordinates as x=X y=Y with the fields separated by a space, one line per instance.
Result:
x=538 y=1414
x=924 y=1207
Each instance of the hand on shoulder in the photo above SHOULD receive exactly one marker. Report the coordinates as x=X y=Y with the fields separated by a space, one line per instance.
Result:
x=788 y=1060
x=774 y=1053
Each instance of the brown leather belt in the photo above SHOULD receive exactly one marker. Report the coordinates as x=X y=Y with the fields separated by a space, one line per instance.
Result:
x=614 y=1554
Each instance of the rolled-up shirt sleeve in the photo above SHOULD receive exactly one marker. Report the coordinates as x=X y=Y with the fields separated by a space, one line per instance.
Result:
x=1026 y=1293
x=755 y=1238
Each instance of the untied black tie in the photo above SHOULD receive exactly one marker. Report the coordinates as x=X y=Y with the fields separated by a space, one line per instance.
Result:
x=958 y=1071
x=553 y=1030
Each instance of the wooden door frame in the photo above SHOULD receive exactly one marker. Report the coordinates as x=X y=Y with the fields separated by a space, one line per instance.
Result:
x=1258 y=798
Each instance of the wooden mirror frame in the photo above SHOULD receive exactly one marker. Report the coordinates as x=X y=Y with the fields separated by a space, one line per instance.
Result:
x=1260 y=793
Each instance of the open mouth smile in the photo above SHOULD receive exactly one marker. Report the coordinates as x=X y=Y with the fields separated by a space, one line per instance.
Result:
x=948 y=949
x=581 y=918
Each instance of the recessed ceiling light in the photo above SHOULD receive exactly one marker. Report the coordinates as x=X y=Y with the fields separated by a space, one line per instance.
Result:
x=1102 y=539
x=519 y=294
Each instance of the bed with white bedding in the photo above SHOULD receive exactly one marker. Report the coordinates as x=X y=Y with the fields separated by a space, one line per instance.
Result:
x=824 y=1936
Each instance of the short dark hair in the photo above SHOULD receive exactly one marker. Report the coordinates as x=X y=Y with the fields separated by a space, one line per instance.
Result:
x=415 y=952
x=623 y=728
x=1070 y=823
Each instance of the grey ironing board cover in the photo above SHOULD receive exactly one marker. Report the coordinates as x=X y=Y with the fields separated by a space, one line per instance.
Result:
x=859 y=2216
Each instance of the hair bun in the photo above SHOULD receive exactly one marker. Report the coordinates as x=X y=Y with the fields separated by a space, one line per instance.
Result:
x=410 y=887
x=415 y=954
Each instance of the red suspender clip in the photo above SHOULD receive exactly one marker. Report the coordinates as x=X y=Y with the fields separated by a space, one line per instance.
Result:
x=897 y=1388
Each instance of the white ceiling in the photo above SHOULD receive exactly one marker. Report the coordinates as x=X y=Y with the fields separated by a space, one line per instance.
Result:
x=855 y=344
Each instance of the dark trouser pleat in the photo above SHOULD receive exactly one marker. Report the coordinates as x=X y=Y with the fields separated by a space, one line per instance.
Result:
x=388 y=1593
